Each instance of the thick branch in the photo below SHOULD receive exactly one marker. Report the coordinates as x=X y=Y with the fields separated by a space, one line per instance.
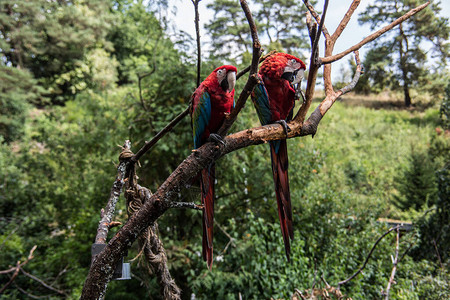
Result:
x=314 y=48
x=345 y=19
x=116 y=189
x=373 y=36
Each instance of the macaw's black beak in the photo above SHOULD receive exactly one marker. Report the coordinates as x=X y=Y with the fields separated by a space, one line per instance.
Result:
x=224 y=84
x=289 y=76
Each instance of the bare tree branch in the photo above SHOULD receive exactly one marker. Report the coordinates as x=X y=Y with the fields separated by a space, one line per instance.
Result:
x=252 y=80
x=29 y=294
x=197 y=31
x=437 y=254
x=316 y=17
x=140 y=77
x=373 y=36
x=314 y=48
x=190 y=205
x=16 y=270
x=358 y=73
x=108 y=212
x=394 y=262
x=148 y=145
x=42 y=282
x=230 y=238
x=345 y=20
x=368 y=257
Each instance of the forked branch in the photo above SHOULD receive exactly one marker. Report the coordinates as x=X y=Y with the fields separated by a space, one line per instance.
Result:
x=375 y=35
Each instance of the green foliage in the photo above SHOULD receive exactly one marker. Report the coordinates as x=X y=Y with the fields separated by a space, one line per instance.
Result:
x=445 y=109
x=17 y=88
x=55 y=187
x=433 y=225
x=57 y=164
x=277 y=23
x=51 y=39
x=416 y=185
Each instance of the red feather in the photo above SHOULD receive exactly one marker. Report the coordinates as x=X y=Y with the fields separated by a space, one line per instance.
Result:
x=281 y=102
x=221 y=104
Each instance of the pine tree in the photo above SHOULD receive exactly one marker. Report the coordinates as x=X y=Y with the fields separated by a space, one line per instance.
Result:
x=417 y=183
x=406 y=57
x=280 y=27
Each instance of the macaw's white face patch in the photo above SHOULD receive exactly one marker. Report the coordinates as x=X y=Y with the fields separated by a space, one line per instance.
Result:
x=221 y=74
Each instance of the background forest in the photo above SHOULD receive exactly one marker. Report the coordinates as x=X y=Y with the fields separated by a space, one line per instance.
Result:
x=78 y=78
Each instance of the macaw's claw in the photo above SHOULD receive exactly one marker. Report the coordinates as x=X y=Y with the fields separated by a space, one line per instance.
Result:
x=285 y=126
x=213 y=137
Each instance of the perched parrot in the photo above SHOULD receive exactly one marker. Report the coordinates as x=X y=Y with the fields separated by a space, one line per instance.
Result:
x=273 y=98
x=210 y=103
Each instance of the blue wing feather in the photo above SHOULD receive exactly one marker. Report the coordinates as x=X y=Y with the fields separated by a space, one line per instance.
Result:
x=201 y=118
x=261 y=101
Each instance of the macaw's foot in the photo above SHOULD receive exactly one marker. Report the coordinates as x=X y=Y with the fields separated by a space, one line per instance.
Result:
x=213 y=137
x=299 y=93
x=285 y=126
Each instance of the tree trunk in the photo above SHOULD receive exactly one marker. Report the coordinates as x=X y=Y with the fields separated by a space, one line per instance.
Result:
x=406 y=92
x=403 y=66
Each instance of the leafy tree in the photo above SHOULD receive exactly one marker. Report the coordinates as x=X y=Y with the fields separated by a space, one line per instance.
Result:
x=445 y=109
x=228 y=29
x=401 y=51
x=417 y=184
x=51 y=38
x=279 y=24
x=17 y=89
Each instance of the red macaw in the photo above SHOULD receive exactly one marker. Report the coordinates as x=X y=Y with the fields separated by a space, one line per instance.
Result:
x=274 y=99
x=211 y=102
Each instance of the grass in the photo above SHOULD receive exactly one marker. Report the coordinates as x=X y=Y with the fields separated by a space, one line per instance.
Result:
x=365 y=143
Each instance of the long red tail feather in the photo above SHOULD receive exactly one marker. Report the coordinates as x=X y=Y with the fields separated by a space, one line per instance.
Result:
x=281 y=180
x=207 y=187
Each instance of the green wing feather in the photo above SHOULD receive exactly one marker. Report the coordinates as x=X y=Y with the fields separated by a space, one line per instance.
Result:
x=261 y=101
x=201 y=117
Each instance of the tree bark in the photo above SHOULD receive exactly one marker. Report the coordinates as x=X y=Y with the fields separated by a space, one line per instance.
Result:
x=403 y=66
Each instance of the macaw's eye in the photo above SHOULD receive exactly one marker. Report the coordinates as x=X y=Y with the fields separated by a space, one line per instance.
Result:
x=220 y=72
x=293 y=61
